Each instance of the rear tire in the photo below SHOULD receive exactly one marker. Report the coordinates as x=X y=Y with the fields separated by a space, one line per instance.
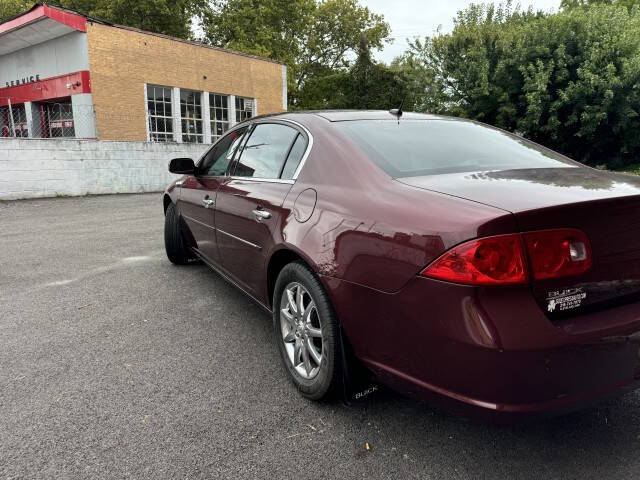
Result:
x=309 y=337
x=177 y=251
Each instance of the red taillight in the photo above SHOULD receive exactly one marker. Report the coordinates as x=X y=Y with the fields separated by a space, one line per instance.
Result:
x=557 y=253
x=500 y=260
x=486 y=261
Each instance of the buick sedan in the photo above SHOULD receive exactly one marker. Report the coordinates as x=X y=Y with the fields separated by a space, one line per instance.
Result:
x=452 y=260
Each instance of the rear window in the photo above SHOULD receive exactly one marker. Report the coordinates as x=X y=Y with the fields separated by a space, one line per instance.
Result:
x=428 y=147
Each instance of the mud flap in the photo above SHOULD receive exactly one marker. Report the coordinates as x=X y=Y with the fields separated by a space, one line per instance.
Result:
x=358 y=383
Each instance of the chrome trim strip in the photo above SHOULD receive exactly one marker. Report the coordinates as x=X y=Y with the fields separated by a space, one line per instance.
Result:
x=197 y=221
x=307 y=151
x=267 y=180
x=239 y=239
x=302 y=162
x=263 y=180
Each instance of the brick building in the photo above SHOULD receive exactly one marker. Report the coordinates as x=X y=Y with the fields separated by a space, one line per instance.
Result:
x=65 y=75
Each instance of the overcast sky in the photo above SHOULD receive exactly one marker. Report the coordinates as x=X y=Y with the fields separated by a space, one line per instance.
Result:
x=410 y=18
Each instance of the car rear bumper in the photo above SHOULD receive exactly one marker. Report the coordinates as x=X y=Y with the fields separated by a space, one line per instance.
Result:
x=489 y=352
x=541 y=388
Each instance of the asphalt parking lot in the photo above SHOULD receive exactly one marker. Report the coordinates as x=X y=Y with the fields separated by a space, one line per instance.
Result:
x=116 y=364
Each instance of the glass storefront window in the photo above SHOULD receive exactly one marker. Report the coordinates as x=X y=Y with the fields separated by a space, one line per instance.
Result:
x=191 y=116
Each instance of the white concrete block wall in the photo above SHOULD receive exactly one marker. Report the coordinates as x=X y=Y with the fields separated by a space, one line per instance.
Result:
x=33 y=168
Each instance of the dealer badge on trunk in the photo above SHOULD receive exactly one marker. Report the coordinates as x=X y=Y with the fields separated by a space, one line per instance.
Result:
x=567 y=299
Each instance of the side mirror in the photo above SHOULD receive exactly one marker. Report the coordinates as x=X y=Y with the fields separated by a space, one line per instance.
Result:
x=182 y=166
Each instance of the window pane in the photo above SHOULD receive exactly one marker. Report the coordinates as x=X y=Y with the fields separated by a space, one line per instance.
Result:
x=264 y=153
x=294 y=158
x=215 y=163
x=429 y=147
x=191 y=113
x=244 y=108
x=218 y=112
x=159 y=108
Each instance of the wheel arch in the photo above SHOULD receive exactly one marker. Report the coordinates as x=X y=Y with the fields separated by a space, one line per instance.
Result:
x=356 y=373
x=166 y=200
x=278 y=260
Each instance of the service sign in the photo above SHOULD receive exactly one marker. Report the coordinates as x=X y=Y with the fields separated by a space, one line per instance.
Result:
x=23 y=81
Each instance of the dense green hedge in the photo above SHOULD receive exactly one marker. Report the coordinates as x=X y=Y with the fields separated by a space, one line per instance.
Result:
x=569 y=80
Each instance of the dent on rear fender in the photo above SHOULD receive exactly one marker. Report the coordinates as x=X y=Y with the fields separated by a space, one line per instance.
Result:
x=370 y=253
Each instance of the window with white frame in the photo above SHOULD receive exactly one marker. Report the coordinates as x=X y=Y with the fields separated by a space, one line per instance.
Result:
x=160 y=113
x=219 y=114
x=244 y=108
x=191 y=116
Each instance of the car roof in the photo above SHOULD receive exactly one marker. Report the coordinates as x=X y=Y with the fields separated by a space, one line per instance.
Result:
x=348 y=115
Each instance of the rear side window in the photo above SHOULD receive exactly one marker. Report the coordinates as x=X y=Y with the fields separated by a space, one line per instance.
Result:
x=294 y=158
x=427 y=147
x=265 y=152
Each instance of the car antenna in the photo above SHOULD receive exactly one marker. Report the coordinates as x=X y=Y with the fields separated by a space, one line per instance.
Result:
x=397 y=112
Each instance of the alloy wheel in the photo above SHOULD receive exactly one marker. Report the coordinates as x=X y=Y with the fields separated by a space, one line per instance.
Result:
x=301 y=330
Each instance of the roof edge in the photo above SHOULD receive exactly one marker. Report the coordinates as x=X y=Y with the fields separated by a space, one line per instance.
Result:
x=39 y=11
x=71 y=19
x=191 y=42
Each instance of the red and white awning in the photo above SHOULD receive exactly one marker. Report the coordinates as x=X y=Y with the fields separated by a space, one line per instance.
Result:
x=38 y=25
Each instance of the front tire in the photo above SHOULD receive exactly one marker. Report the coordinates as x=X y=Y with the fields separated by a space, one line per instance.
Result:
x=177 y=251
x=306 y=330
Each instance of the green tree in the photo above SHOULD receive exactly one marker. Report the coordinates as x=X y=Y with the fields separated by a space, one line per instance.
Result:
x=569 y=80
x=364 y=85
x=170 y=17
x=314 y=38
x=424 y=92
x=568 y=4
x=11 y=8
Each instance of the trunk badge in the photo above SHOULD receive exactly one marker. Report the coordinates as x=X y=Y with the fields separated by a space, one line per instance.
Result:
x=566 y=299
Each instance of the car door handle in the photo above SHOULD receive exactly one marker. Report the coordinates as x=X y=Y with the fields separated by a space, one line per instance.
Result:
x=261 y=214
x=208 y=203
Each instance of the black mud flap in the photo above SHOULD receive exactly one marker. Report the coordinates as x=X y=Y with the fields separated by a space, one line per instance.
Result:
x=358 y=382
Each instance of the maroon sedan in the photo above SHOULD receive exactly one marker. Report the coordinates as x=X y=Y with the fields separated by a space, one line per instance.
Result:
x=457 y=262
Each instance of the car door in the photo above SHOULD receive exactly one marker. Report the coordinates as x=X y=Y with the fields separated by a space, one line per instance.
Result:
x=198 y=193
x=249 y=204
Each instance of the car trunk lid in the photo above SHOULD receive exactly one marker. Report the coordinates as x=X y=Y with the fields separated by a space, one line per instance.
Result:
x=613 y=228
x=604 y=205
